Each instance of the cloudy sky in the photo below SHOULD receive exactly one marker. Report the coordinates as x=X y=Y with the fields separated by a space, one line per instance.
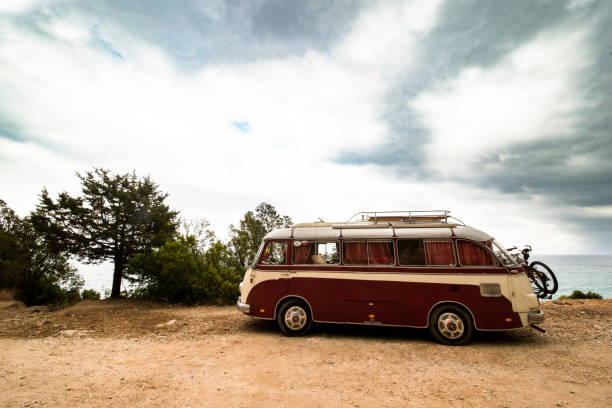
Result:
x=498 y=111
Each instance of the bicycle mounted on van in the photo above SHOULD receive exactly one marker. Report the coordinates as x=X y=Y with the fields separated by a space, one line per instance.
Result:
x=542 y=278
x=397 y=268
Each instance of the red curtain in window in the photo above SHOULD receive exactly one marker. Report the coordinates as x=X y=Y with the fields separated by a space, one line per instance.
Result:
x=439 y=253
x=380 y=253
x=474 y=255
x=355 y=252
x=301 y=254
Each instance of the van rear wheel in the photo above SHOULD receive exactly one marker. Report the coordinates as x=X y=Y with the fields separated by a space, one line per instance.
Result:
x=451 y=325
x=294 y=318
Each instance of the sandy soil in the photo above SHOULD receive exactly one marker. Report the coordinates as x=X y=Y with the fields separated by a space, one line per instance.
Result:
x=137 y=354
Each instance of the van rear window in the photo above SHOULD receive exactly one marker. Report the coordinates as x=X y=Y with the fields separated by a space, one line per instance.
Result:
x=471 y=254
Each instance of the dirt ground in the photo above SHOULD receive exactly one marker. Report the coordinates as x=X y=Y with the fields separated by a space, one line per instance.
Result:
x=137 y=354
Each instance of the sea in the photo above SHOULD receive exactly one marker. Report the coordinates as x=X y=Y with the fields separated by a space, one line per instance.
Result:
x=580 y=272
x=574 y=272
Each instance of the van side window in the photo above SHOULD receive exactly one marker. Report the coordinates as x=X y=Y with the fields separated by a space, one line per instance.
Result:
x=355 y=252
x=329 y=251
x=439 y=252
x=471 y=254
x=380 y=252
x=372 y=252
x=411 y=252
x=275 y=253
x=309 y=253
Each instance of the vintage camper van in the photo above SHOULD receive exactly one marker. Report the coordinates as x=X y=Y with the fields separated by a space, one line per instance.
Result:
x=400 y=268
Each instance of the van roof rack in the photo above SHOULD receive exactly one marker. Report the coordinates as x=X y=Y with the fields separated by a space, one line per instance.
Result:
x=396 y=219
x=400 y=219
x=404 y=217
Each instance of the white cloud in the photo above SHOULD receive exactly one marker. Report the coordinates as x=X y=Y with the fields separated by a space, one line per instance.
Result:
x=66 y=30
x=17 y=6
x=578 y=4
x=383 y=38
x=532 y=93
x=141 y=113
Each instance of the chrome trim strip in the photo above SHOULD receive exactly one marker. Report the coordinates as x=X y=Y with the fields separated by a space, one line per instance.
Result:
x=402 y=325
x=371 y=324
x=321 y=268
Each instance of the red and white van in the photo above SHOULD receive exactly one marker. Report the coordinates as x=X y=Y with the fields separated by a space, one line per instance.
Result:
x=411 y=268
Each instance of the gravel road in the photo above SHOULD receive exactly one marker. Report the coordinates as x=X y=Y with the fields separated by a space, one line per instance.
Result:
x=138 y=354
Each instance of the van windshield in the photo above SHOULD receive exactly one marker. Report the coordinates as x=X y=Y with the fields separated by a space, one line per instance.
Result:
x=503 y=255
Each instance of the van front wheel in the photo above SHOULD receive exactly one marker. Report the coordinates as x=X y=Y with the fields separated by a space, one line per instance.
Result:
x=294 y=318
x=451 y=325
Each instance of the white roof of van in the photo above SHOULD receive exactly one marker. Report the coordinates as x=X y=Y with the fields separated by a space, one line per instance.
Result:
x=332 y=233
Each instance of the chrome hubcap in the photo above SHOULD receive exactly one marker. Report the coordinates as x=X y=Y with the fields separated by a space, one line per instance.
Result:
x=295 y=318
x=450 y=325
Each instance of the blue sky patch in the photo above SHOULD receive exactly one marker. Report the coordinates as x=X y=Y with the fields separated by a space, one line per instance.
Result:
x=108 y=47
x=242 y=126
x=105 y=45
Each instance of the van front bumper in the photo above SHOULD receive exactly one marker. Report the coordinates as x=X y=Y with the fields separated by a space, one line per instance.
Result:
x=535 y=318
x=243 y=307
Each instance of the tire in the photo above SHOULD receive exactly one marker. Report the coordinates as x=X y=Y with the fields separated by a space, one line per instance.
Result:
x=538 y=281
x=550 y=279
x=294 y=318
x=451 y=325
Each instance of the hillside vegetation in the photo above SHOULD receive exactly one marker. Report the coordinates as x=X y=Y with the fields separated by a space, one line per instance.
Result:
x=124 y=219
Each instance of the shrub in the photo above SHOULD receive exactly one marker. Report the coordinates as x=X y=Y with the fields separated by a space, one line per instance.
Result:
x=43 y=291
x=578 y=294
x=72 y=296
x=90 y=294
x=223 y=274
x=181 y=272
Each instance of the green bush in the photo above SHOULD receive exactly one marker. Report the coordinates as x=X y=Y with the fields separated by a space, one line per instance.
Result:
x=72 y=296
x=90 y=294
x=578 y=294
x=181 y=272
x=42 y=291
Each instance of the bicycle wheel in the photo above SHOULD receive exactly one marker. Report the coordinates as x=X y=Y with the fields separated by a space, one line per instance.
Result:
x=550 y=279
x=538 y=281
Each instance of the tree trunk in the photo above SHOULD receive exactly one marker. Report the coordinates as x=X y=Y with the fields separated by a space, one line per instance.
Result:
x=117 y=276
